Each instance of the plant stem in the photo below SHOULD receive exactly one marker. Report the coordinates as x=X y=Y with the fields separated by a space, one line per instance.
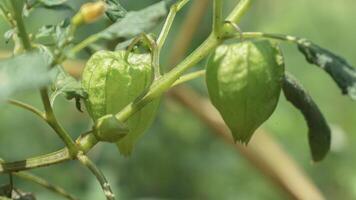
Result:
x=86 y=42
x=16 y=6
x=217 y=17
x=52 y=121
x=282 y=37
x=239 y=11
x=98 y=174
x=188 y=77
x=168 y=23
x=44 y=183
x=28 y=107
x=235 y=16
x=39 y=161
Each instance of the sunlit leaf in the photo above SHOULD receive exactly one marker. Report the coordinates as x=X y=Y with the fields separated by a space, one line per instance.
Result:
x=319 y=132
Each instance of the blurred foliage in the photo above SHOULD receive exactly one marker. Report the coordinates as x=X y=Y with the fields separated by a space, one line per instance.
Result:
x=179 y=158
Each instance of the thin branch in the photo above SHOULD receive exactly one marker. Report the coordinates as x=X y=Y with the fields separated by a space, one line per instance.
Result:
x=165 y=30
x=52 y=121
x=44 y=183
x=239 y=11
x=98 y=174
x=189 y=77
x=27 y=107
x=217 y=16
x=16 y=6
x=35 y=162
x=169 y=21
x=187 y=30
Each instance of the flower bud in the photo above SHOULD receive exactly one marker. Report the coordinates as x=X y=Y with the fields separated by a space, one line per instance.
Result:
x=89 y=13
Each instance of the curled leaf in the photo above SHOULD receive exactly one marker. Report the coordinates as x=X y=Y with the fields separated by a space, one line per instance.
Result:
x=337 y=67
x=319 y=133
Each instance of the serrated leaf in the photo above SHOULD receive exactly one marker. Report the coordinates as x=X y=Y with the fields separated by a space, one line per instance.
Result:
x=337 y=67
x=23 y=72
x=319 y=133
x=136 y=22
x=56 y=33
x=114 y=10
x=244 y=82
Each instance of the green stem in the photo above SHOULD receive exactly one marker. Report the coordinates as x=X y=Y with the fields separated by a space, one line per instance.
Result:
x=27 y=107
x=235 y=16
x=188 y=77
x=44 y=183
x=217 y=16
x=86 y=42
x=282 y=37
x=52 y=121
x=16 y=6
x=168 y=23
x=35 y=162
x=239 y=11
x=98 y=174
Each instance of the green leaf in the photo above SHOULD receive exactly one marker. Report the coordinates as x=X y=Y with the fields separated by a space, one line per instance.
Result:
x=319 y=132
x=337 y=67
x=244 y=82
x=23 y=72
x=114 y=10
x=55 y=33
x=69 y=87
x=136 y=22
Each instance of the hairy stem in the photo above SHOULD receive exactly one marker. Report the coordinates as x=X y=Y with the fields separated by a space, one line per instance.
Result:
x=44 y=183
x=98 y=174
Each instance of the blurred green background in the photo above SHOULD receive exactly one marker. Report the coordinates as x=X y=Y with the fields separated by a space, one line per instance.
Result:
x=178 y=158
